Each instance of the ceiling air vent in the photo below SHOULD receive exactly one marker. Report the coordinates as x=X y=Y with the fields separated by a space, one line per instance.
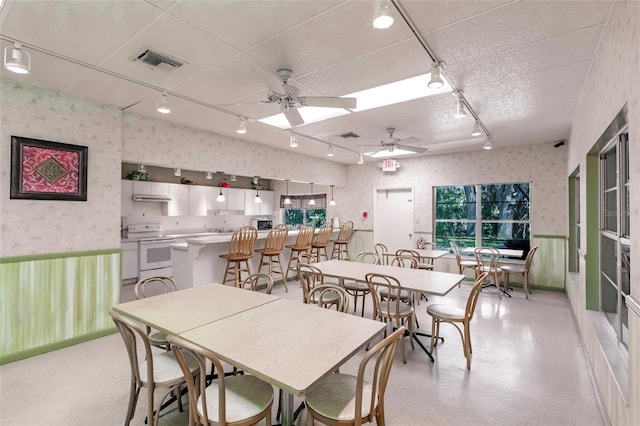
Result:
x=159 y=61
x=349 y=135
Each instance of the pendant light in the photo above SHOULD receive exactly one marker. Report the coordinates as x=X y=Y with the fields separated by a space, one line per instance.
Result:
x=15 y=63
x=221 y=198
x=436 y=81
x=257 y=200
x=332 y=202
x=312 y=202
x=287 y=200
x=163 y=104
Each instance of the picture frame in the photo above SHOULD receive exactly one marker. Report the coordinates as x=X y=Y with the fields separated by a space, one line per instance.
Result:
x=46 y=170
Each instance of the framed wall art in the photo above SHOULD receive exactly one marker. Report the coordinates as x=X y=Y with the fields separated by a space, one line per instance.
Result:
x=45 y=170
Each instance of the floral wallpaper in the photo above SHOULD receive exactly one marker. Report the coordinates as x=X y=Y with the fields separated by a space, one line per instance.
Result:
x=41 y=226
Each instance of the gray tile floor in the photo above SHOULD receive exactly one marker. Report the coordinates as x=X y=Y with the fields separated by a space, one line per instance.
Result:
x=528 y=369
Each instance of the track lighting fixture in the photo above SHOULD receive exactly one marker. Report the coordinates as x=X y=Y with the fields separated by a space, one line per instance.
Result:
x=209 y=175
x=487 y=145
x=242 y=127
x=360 y=159
x=293 y=141
x=177 y=172
x=436 y=81
x=476 y=130
x=330 y=151
x=332 y=202
x=312 y=202
x=460 y=108
x=287 y=200
x=15 y=62
x=163 y=104
x=221 y=198
x=384 y=16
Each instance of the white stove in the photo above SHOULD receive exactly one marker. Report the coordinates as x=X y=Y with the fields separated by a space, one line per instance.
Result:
x=154 y=250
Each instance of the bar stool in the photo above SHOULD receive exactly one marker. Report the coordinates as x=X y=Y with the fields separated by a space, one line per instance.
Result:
x=321 y=241
x=241 y=247
x=340 y=249
x=273 y=247
x=302 y=245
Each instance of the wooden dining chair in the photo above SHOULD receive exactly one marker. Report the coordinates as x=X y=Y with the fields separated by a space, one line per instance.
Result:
x=390 y=309
x=153 y=286
x=421 y=265
x=241 y=248
x=487 y=258
x=342 y=399
x=239 y=400
x=321 y=241
x=328 y=295
x=380 y=249
x=340 y=245
x=270 y=253
x=357 y=288
x=258 y=282
x=155 y=371
x=311 y=277
x=521 y=270
x=302 y=245
x=462 y=264
x=457 y=317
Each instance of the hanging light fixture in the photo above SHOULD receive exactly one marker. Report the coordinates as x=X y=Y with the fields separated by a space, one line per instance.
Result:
x=287 y=200
x=332 y=202
x=15 y=62
x=436 y=81
x=330 y=151
x=360 y=159
x=476 y=130
x=163 y=104
x=293 y=141
x=242 y=127
x=221 y=198
x=257 y=200
x=177 y=172
x=312 y=202
x=384 y=16
x=487 y=145
x=460 y=109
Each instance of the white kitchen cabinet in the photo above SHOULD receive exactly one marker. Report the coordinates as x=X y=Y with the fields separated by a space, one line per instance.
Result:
x=126 y=194
x=198 y=200
x=235 y=199
x=179 y=204
x=251 y=208
x=155 y=188
x=129 y=260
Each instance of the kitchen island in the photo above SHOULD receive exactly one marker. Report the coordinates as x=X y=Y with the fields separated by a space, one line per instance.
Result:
x=197 y=261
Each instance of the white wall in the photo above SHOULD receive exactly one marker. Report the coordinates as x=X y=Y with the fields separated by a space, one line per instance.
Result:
x=42 y=226
x=613 y=81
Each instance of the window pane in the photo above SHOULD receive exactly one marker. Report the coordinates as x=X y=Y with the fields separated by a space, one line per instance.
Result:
x=610 y=211
x=610 y=166
x=608 y=258
x=497 y=234
x=293 y=217
x=317 y=217
x=456 y=202
x=505 y=202
x=463 y=233
x=609 y=301
x=626 y=270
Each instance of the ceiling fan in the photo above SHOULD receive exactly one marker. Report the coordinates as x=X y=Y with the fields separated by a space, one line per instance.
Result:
x=392 y=143
x=289 y=99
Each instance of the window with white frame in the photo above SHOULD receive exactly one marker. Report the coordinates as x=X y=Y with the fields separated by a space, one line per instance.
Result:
x=309 y=209
x=495 y=215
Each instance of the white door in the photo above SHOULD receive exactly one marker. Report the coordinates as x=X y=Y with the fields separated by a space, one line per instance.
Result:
x=394 y=218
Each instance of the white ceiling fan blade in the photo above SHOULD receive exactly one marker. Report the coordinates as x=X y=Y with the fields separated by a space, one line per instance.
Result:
x=328 y=102
x=411 y=141
x=271 y=80
x=293 y=116
x=416 y=149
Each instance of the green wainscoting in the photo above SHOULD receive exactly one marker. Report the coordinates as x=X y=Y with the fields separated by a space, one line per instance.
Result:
x=50 y=301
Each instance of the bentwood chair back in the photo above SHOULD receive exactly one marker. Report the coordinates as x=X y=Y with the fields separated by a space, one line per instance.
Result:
x=340 y=245
x=311 y=277
x=487 y=258
x=153 y=286
x=341 y=399
x=258 y=282
x=239 y=400
x=462 y=264
x=241 y=248
x=302 y=245
x=380 y=250
x=327 y=295
x=270 y=253
x=457 y=317
x=416 y=255
x=357 y=288
x=153 y=371
x=321 y=241
x=390 y=309
x=521 y=270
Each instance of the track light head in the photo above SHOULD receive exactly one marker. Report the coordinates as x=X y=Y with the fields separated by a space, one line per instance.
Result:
x=293 y=141
x=360 y=159
x=163 y=104
x=330 y=151
x=14 y=62
x=460 y=110
x=487 y=145
x=476 y=130
x=242 y=127
x=436 y=81
x=384 y=17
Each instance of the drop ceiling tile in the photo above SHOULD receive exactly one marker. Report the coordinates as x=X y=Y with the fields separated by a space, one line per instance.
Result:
x=85 y=30
x=196 y=49
x=111 y=90
x=431 y=15
x=242 y=24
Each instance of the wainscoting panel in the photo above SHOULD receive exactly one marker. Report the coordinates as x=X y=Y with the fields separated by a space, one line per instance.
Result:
x=55 y=300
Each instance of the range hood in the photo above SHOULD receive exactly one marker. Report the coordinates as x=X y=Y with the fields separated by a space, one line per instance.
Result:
x=151 y=197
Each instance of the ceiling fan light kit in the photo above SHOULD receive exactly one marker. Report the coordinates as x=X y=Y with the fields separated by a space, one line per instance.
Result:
x=14 y=61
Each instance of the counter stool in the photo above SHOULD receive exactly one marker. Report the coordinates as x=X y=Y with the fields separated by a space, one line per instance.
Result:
x=273 y=247
x=340 y=250
x=302 y=245
x=241 y=247
x=321 y=241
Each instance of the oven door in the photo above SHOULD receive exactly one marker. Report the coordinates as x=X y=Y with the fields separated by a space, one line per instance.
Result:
x=155 y=254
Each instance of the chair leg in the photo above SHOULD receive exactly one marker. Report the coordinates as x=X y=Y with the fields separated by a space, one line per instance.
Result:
x=289 y=263
x=525 y=284
x=364 y=296
x=284 y=277
x=434 y=335
x=133 y=401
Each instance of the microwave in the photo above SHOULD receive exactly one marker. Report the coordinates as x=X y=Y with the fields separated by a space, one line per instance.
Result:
x=262 y=224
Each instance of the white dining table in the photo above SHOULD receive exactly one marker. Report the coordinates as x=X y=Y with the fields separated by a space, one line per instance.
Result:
x=418 y=280
x=423 y=253
x=288 y=344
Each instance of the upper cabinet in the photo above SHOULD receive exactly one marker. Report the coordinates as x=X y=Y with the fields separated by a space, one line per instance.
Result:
x=153 y=188
x=264 y=208
x=179 y=204
x=233 y=199
x=199 y=197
